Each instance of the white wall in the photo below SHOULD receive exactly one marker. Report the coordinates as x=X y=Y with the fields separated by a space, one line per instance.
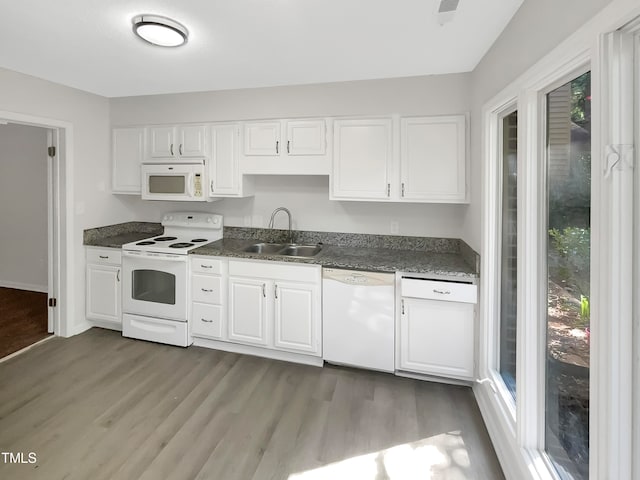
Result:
x=88 y=166
x=23 y=207
x=537 y=27
x=308 y=197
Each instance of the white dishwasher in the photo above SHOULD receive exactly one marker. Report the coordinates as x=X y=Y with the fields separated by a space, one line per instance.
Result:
x=358 y=311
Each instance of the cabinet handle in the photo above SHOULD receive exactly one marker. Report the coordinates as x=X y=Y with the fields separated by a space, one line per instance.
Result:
x=402 y=304
x=264 y=292
x=212 y=189
x=276 y=290
x=277 y=145
x=388 y=189
x=288 y=150
x=206 y=321
x=206 y=266
x=442 y=292
x=180 y=149
x=104 y=257
x=171 y=149
x=402 y=193
x=118 y=275
x=207 y=290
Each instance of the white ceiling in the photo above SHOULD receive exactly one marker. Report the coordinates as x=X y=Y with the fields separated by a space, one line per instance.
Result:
x=89 y=44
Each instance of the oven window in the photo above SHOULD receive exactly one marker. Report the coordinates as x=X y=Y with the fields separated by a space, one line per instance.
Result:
x=154 y=286
x=167 y=184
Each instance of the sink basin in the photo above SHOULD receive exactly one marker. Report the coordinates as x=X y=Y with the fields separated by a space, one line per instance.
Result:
x=300 y=250
x=286 y=249
x=265 y=248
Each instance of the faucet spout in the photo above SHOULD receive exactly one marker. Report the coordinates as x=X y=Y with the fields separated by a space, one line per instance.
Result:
x=273 y=215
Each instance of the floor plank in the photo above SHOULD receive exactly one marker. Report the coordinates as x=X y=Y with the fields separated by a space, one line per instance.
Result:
x=101 y=406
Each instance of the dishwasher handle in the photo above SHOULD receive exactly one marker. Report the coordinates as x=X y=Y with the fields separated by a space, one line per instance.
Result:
x=358 y=278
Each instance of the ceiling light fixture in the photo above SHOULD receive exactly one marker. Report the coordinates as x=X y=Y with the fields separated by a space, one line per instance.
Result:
x=160 y=31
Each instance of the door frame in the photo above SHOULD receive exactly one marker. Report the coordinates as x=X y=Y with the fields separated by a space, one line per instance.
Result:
x=59 y=224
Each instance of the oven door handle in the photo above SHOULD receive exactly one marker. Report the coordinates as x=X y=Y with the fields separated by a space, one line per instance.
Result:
x=165 y=257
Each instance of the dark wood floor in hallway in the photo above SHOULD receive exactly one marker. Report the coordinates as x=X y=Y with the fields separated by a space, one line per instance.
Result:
x=23 y=319
x=100 y=406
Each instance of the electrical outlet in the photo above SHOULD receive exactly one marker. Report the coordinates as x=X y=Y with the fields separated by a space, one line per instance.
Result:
x=395 y=228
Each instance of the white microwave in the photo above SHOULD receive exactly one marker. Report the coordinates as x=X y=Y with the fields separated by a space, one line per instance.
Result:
x=174 y=181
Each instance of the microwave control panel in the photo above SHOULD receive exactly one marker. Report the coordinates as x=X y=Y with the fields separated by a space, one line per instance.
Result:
x=197 y=185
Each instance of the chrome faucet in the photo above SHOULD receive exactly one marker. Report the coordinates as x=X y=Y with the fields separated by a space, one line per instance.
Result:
x=282 y=209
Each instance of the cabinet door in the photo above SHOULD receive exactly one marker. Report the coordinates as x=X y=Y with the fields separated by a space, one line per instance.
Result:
x=162 y=142
x=437 y=337
x=433 y=159
x=262 y=138
x=362 y=159
x=103 y=293
x=248 y=311
x=306 y=137
x=127 y=155
x=192 y=141
x=297 y=317
x=224 y=169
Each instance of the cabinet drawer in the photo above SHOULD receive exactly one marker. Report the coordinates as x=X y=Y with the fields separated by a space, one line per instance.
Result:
x=112 y=256
x=434 y=290
x=206 y=288
x=206 y=265
x=206 y=320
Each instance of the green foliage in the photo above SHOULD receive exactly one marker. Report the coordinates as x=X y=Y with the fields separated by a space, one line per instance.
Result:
x=572 y=242
x=585 y=309
x=580 y=95
x=571 y=247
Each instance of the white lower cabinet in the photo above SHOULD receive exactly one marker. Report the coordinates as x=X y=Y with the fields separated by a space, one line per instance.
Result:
x=248 y=311
x=436 y=331
x=208 y=297
x=103 y=287
x=275 y=305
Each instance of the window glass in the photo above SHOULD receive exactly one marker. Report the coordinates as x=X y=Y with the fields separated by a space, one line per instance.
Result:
x=509 y=251
x=568 y=260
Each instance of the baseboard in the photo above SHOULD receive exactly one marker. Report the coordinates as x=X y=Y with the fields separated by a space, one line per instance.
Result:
x=24 y=286
x=511 y=457
x=258 y=351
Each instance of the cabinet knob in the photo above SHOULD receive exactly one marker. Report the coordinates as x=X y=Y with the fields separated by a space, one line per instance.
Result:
x=206 y=321
x=207 y=290
x=206 y=266
x=104 y=257
x=171 y=149
x=442 y=292
x=264 y=291
x=276 y=290
x=288 y=143
x=180 y=149
x=118 y=275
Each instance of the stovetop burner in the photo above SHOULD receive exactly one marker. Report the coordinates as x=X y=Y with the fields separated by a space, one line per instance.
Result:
x=199 y=240
x=146 y=242
x=165 y=239
x=181 y=245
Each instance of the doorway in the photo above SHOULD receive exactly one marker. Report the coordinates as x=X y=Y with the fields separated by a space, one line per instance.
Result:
x=27 y=256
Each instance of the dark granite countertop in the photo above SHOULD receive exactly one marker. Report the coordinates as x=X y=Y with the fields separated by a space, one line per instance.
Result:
x=440 y=257
x=114 y=236
x=440 y=264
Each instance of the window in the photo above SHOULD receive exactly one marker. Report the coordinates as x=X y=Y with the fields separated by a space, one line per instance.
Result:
x=568 y=223
x=508 y=252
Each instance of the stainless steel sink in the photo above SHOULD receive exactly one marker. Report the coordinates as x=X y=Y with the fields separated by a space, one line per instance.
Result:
x=265 y=248
x=285 y=249
x=300 y=250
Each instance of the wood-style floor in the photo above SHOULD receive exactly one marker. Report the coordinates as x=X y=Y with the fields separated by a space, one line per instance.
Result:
x=23 y=319
x=99 y=406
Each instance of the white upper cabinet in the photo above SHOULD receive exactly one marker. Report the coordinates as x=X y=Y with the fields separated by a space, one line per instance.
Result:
x=178 y=141
x=225 y=179
x=262 y=138
x=127 y=152
x=285 y=147
x=433 y=159
x=411 y=159
x=362 y=159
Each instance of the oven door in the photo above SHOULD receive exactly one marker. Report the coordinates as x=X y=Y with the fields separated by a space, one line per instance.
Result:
x=155 y=285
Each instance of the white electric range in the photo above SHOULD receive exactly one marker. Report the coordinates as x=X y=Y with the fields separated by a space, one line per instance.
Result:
x=155 y=286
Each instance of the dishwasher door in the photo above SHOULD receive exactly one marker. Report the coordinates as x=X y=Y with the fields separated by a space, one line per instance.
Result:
x=358 y=311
